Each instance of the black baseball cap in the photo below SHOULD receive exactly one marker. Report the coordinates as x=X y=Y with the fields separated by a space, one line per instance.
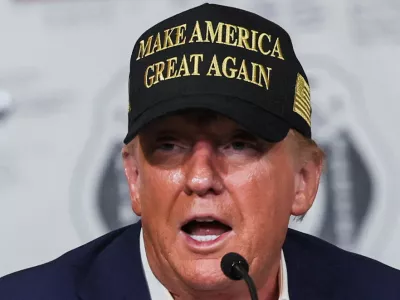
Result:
x=221 y=58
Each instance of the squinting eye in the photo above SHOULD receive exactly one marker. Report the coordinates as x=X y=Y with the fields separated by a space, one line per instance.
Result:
x=167 y=146
x=238 y=145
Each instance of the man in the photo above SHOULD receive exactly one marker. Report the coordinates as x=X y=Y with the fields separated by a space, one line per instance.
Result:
x=218 y=157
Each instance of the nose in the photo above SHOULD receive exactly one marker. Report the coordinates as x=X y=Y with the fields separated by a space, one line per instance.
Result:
x=202 y=171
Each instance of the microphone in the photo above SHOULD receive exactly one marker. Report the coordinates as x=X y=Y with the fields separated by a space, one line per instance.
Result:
x=236 y=267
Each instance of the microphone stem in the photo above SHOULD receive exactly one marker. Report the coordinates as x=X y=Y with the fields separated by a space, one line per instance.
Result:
x=249 y=282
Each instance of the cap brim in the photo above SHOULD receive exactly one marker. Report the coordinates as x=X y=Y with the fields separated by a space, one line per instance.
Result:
x=252 y=118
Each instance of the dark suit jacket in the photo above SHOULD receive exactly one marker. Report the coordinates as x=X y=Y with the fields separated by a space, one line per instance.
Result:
x=109 y=268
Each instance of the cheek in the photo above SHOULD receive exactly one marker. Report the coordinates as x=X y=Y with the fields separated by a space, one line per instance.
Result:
x=263 y=197
x=158 y=190
x=264 y=189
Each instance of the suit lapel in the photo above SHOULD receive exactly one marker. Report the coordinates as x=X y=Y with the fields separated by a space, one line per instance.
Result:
x=116 y=271
x=311 y=274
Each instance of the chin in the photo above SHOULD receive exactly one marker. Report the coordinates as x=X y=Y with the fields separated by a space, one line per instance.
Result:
x=205 y=275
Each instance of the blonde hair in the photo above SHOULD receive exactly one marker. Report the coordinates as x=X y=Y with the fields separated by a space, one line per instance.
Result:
x=307 y=148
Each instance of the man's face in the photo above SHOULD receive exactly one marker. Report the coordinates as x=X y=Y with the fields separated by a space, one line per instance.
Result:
x=205 y=187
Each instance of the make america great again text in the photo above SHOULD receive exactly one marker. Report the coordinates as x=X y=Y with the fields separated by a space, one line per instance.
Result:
x=228 y=66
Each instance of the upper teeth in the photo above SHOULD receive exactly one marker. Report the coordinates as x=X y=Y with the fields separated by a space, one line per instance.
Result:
x=204 y=238
x=205 y=220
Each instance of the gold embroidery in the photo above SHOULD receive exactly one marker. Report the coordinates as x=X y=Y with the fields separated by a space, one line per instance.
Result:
x=184 y=68
x=173 y=67
x=262 y=74
x=244 y=35
x=214 y=67
x=260 y=43
x=213 y=33
x=302 y=104
x=159 y=71
x=221 y=33
x=168 y=42
x=148 y=80
x=196 y=34
x=254 y=40
x=157 y=46
x=243 y=72
x=230 y=31
x=277 y=49
x=180 y=37
x=144 y=49
x=196 y=63
x=229 y=67
x=232 y=70
x=171 y=72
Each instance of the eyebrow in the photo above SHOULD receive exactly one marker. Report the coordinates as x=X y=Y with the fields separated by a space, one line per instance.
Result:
x=167 y=134
x=243 y=134
x=163 y=136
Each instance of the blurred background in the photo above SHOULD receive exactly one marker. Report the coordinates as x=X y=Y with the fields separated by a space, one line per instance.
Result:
x=64 y=68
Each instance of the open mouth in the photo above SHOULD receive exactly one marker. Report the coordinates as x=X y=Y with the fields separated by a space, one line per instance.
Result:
x=205 y=229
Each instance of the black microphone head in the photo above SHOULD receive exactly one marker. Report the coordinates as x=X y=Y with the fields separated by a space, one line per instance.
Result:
x=229 y=263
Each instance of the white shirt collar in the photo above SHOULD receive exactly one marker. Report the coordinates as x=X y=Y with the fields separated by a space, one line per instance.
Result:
x=159 y=292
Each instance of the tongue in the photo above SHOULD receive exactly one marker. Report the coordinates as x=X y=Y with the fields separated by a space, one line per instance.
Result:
x=207 y=228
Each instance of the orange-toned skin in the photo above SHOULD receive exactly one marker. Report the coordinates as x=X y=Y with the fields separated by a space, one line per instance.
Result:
x=200 y=162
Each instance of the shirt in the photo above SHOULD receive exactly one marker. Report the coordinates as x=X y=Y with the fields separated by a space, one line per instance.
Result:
x=158 y=291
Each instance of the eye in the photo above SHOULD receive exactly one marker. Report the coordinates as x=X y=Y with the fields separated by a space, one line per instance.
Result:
x=167 y=146
x=241 y=145
x=170 y=145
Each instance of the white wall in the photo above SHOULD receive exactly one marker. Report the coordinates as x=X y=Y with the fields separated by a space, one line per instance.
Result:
x=65 y=65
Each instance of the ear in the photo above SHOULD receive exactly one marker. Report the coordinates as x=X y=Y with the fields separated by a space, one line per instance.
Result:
x=306 y=185
x=132 y=176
